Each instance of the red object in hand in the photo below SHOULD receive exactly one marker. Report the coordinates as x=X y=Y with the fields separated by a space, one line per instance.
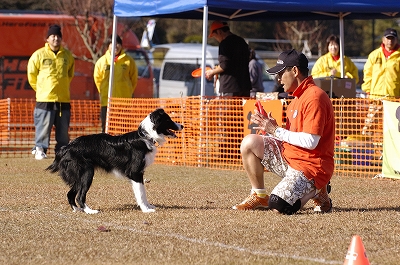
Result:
x=260 y=108
x=197 y=72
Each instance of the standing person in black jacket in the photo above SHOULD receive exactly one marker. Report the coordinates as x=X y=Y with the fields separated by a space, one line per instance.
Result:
x=234 y=81
x=233 y=57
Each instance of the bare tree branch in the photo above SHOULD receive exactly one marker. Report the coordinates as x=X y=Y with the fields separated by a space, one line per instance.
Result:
x=92 y=20
x=300 y=34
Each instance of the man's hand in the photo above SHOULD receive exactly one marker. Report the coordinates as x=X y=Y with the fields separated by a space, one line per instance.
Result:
x=209 y=74
x=265 y=123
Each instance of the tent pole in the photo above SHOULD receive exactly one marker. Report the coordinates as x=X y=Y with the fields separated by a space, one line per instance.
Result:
x=111 y=80
x=204 y=49
x=341 y=29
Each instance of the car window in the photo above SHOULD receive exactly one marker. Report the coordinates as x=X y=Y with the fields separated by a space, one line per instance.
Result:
x=141 y=62
x=360 y=67
x=266 y=76
x=179 y=71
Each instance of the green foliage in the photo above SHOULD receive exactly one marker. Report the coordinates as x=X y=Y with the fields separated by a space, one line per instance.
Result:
x=193 y=39
x=363 y=36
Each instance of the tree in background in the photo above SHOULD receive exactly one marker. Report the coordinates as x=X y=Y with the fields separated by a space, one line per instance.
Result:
x=302 y=36
x=368 y=33
x=24 y=5
x=174 y=31
x=93 y=20
x=360 y=36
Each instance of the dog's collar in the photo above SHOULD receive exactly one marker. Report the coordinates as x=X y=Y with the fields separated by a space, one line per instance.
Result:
x=141 y=133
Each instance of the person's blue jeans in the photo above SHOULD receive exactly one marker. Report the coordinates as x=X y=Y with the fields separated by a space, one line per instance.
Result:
x=44 y=121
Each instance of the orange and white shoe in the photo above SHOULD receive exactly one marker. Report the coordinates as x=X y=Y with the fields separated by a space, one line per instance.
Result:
x=252 y=202
x=322 y=202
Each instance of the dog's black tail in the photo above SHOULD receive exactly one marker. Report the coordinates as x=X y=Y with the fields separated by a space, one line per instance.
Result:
x=55 y=166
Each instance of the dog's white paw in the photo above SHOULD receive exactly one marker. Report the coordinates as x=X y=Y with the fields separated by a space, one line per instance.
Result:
x=86 y=210
x=89 y=211
x=148 y=208
x=76 y=209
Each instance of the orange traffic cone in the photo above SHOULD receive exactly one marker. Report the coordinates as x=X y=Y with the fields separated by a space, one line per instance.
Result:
x=356 y=254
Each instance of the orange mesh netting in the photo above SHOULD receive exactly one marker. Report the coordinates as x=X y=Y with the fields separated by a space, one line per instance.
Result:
x=213 y=129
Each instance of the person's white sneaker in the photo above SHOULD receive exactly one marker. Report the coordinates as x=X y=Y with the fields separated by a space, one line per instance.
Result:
x=40 y=154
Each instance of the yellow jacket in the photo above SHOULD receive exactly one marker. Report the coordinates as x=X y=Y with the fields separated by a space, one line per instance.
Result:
x=381 y=75
x=125 y=76
x=324 y=64
x=50 y=75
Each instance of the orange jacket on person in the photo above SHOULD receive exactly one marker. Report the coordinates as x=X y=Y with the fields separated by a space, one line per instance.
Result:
x=311 y=112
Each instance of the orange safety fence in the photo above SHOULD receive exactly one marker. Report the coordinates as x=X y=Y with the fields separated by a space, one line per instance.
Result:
x=17 y=130
x=213 y=129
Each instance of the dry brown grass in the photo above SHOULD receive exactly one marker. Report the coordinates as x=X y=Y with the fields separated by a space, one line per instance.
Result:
x=193 y=223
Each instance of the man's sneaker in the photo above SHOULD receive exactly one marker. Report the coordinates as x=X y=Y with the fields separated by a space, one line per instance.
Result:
x=322 y=202
x=40 y=154
x=33 y=151
x=252 y=202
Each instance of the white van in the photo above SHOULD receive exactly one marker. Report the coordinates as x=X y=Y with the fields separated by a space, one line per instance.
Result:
x=178 y=62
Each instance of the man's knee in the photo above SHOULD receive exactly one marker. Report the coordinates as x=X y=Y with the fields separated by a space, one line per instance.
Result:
x=251 y=142
x=277 y=203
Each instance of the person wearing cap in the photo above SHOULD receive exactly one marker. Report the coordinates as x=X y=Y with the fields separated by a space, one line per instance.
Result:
x=233 y=57
x=50 y=71
x=381 y=76
x=382 y=70
x=301 y=153
x=329 y=64
x=125 y=76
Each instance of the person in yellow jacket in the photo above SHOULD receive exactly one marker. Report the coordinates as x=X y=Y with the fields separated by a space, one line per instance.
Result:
x=382 y=69
x=381 y=76
x=50 y=71
x=329 y=64
x=125 y=77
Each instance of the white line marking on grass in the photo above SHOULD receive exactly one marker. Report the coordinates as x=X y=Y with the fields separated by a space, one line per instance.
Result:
x=188 y=239
x=209 y=243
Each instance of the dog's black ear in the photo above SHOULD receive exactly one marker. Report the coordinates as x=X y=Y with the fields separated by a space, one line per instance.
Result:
x=160 y=111
x=156 y=115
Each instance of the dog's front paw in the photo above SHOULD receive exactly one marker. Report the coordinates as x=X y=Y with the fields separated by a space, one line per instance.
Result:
x=76 y=209
x=90 y=211
x=148 y=208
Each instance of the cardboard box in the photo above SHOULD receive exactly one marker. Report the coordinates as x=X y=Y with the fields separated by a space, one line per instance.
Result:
x=345 y=87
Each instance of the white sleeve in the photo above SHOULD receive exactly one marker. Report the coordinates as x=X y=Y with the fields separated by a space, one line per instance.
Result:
x=301 y=139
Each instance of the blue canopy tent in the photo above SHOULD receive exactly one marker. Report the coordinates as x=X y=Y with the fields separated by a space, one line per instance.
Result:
x=257 y=10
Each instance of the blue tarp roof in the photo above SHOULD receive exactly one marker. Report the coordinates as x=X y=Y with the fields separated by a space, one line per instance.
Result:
x=259 y=9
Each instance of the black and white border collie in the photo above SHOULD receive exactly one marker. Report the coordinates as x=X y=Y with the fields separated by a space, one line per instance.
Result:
x=125 y=155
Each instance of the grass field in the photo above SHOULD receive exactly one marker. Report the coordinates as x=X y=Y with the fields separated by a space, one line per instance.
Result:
x=193 y=223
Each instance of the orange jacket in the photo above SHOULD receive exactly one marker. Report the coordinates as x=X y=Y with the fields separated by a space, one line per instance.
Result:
x=311 y=112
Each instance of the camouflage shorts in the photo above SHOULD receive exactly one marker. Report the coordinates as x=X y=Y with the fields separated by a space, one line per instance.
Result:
x=294 y=185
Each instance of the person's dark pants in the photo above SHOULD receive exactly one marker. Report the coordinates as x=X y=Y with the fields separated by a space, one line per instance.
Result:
x=103 y=118
x=44 y=121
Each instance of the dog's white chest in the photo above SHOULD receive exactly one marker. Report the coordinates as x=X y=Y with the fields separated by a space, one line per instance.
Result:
x=149 y=157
